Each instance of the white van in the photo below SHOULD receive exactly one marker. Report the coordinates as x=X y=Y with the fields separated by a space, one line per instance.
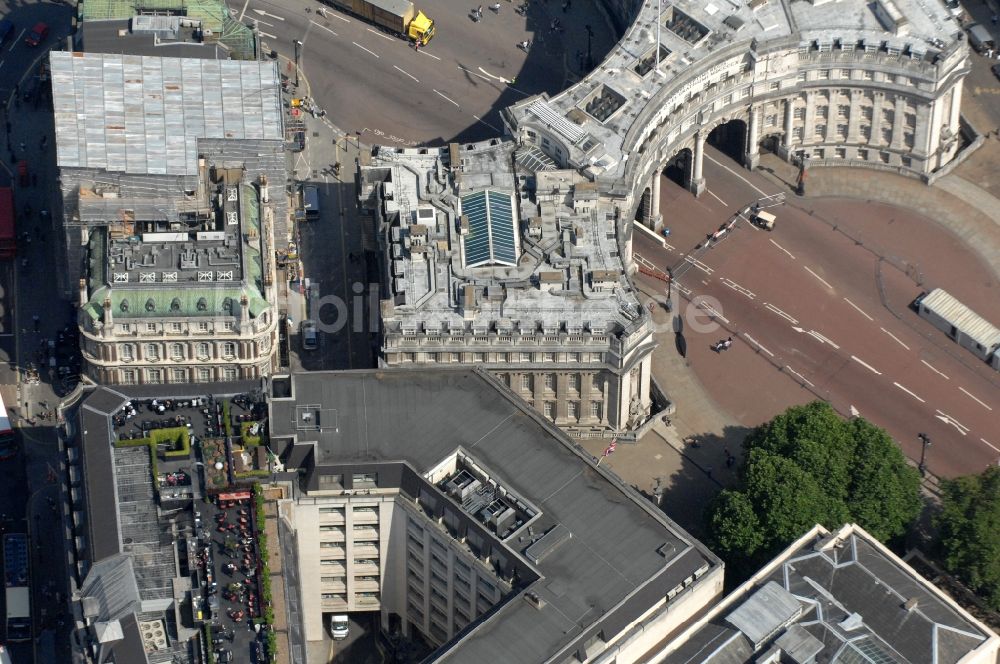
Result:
x=339 y=626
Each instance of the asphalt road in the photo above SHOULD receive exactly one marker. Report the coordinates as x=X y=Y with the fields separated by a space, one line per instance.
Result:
x=453 y=89
x=814 y=312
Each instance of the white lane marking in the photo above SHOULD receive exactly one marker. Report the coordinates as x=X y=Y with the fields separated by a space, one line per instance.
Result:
x=323 y=27
x=446 y=98
x=739 y=289
x=866 y=365
x=710 y=309
x=782 y=248
x=712 y=193
x=493 y=76
x=804 y=379
x=824 y=281
x=781 y=313
x=1 y=64
x=270 y=25
x=757 y=343
x=895 y=338
x=679 y=286
x=990 y=444
x=819 y=337
x=698 y=264
x=858 y=309
x=267 y=34
x=968 y=394
x=485 y=122
x=948 y=419
x=382 y=35
x=407 y=73
x=474 y=73
x=18 y=40
x=752 y=185
x=909 y=392
x=365 y=49
x=336 y=16
x=429 y=55
x=935 y=370
x=261 y=12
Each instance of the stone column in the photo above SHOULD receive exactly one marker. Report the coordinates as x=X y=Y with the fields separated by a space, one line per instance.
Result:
x=655 y=219
x=752 y=156
x=898 y=116
x=854 y=117
x=789 y=126
x=697 y=180
x=809 y=128
x=875 y=138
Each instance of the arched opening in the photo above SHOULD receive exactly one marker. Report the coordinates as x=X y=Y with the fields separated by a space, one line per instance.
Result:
x=730 y=139
x=678 y=169
x=642 y=211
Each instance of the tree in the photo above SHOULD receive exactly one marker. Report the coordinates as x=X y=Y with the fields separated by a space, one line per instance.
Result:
x=807 y=466
x=969 y=532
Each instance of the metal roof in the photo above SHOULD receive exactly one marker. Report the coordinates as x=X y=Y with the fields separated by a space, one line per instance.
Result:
x=141 y=114
x=968 y=322
x=768 y=610
x=493 y=235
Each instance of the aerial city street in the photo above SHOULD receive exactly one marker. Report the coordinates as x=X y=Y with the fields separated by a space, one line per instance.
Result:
x=391 y=331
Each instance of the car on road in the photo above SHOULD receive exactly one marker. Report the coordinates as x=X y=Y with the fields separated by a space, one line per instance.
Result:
x=996 y=70
x=310 y=339
x=37 y=34
x=6 y=30
x=339 y=626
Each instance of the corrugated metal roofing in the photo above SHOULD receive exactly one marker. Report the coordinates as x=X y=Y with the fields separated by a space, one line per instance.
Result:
x=968 y=322
x=139 y=114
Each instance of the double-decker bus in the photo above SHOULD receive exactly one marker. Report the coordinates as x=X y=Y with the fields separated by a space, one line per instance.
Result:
x=8 y=446
x=18 y=591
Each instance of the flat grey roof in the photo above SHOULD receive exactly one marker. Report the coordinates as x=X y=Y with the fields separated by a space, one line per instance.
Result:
x=144 y=114
x=859 y=604
x=621 y=550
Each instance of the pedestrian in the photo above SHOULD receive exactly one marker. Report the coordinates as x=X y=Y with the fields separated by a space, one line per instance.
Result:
x=22 y=146
x=730 y=461
x=565 y=6
x=708 y=471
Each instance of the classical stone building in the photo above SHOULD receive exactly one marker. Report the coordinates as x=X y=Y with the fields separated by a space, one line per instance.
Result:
x=168 y=218
x=819 y=82
x=495 y=258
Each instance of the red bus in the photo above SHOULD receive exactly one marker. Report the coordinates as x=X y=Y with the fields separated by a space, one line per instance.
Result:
x=8 y=233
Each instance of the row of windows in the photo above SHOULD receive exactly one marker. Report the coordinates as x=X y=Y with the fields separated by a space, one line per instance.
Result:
x=498 y=358
x=153 y=352
x=156 y=376
x=573 y=409
x=861 y=154
x=175 y=327
x=865 y=75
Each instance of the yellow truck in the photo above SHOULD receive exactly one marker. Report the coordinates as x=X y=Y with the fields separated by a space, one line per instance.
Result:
x=396 y=16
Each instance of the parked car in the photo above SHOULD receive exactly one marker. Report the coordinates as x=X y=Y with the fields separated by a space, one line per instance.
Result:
x=310 y=340
x=6 y=30
x=37 y=34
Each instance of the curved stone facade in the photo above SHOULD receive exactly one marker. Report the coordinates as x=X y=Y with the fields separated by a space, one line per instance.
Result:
x=882 y=92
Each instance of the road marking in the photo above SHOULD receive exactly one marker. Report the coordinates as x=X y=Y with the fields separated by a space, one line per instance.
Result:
x=855 y=412
x=382 y=35
x=429 y=55
x=493 y=76
x=819 y=337
x=446 y=98
x=407 y=73
x=270 y=25
x=804 y=379
x=323 y=27
x=866 y=365
x=1 y=64
x=18 y=40
x=895 y=338
x=858 y=309
x=782 y=248
x=698 y=264
x=261 y=12
x=739 y=289
x=365 y=49
x=752 y=185
x=678 y=285
x=712 y=193
x=266 y=34
x=935 y=370
x=948 y=419
x=710 y=309
x=909 y=392
x=757 y=343
x=968 y=394
x=474 y=73
x=485 y=122
x=336 y=16
x=990 y=444
x=824 y=281
x=781 y=313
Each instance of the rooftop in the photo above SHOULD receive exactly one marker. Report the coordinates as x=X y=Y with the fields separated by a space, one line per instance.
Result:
x=145 y=115
x=599 y=554
x=841 y=598
x=605 y=116
x=477 y=243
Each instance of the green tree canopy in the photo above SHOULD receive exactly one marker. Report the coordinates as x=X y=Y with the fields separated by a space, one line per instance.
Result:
x=969 y=531
x=806 y=466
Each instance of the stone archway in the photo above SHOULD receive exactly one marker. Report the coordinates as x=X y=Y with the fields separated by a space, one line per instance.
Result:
x=730 y=138
x=678 y=168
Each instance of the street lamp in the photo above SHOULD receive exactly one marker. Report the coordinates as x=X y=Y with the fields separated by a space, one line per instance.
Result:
x=298 y=51
x=923 y=452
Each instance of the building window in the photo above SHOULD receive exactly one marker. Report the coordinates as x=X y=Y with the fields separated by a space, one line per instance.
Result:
x=549 y=357
x=573 y=409
x=845 y=73
x=202 y=326
x=176 y=351
x=125 y=328
x=178 y=375
x=228 y=350
x=126 y=352
x=151 y=328
x=887 y=136
x=152 y=352
x=228 y=326
x=773 y=85
x=202 y=350
x=548 y=410
x=365 y=480
x=204 y=375
x=502 y=357
x=595 y=409
x=550 y=381
x=154 y=376
x=799 y=113
x=128 y=377
x=229 y=373
x=176 y=327
x=820 y=131
x=841 y=131
x=525 y=382
x=574 y=382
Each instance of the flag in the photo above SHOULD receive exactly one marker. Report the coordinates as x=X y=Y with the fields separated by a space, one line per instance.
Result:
x=611 y=448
